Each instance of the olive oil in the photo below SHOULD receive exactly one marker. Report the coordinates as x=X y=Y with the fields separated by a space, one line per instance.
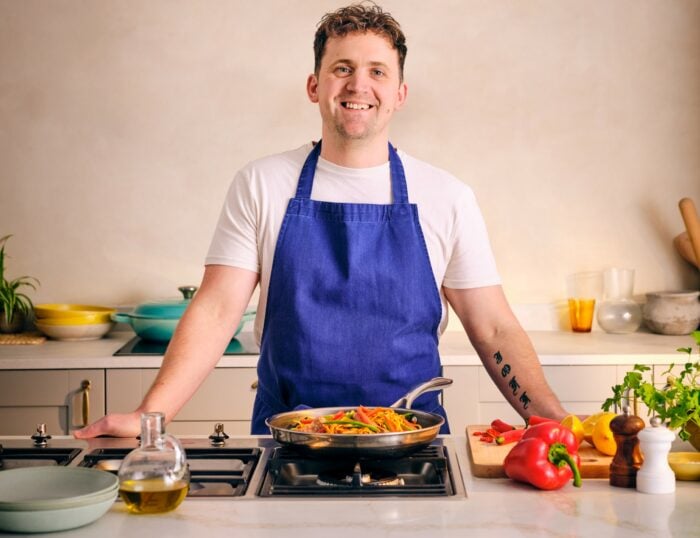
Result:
x=153 y=495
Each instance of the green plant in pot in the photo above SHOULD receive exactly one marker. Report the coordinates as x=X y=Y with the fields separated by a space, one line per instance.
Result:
x=677 y=403
x=16 y=306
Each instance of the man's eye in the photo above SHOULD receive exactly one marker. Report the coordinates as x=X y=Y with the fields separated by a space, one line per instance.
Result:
x=342 y=69
x=377 y=72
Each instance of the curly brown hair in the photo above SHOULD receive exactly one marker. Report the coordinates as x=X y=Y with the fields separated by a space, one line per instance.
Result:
x=359 y=17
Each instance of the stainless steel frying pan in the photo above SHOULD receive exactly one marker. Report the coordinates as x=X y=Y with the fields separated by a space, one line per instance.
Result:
x=376 y=445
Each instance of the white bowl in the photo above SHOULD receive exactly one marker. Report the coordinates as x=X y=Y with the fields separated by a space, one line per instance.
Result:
x=74 y=333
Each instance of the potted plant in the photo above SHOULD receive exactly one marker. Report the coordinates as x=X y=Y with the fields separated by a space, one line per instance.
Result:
x=677 y=403
x=16 y=306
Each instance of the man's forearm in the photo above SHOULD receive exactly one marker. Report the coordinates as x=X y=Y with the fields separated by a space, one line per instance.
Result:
x=512 y=363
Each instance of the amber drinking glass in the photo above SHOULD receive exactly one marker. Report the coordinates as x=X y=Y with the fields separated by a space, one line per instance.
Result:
x=583 y=290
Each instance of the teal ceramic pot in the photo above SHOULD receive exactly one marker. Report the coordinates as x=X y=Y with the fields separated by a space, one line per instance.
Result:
x=157 y=320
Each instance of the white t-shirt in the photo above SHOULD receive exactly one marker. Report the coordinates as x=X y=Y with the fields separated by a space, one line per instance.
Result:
x=454 y=230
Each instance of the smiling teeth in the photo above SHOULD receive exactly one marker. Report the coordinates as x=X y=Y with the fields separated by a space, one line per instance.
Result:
x=356 y=106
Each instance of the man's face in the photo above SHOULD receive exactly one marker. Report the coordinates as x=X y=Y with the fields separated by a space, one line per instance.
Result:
x=358 y=87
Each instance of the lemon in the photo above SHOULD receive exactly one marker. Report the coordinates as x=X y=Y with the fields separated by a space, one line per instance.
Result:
x=589 y=424
x=603 y=438
x=575 y=425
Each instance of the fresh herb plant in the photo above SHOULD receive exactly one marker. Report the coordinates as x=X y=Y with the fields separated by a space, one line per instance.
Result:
x=12 y=300
x=677 y=403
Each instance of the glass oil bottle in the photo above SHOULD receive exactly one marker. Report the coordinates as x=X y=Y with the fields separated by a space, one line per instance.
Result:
x=154 y=478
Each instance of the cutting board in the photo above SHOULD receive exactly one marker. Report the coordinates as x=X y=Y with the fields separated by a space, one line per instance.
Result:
x=487 y=458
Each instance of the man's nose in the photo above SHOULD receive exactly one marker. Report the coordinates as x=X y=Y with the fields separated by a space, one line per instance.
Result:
x=358 y=81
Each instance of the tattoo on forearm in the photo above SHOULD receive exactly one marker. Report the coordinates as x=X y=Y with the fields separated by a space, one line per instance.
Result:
x=512 y=382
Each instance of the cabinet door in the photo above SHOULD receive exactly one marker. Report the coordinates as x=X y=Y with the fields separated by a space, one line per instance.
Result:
x=461 y=399
x=581 y=390
x=52 y=397
x=226 y=395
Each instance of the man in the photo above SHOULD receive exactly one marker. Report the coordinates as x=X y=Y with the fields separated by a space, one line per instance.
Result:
x=357 y=248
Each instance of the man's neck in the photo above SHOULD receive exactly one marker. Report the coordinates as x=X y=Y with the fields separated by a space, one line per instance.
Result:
x=355 y=153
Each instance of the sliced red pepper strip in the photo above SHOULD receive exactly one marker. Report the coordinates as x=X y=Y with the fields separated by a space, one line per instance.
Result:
x=511 y=436
x=361 y=415
x=486 y=439
x=501 y=426
x=534 y=420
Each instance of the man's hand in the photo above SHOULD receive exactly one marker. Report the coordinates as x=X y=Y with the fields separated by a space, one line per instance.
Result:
x=114 y=425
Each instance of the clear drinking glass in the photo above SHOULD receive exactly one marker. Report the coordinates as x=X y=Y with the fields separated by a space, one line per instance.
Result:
x=618 y=313
x=154 y=477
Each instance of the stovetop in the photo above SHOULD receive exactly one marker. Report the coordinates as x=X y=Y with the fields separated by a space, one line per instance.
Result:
x=256 y=467
x=243 y=344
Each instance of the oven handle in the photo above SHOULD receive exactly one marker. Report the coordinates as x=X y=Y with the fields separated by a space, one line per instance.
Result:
x=85 y=389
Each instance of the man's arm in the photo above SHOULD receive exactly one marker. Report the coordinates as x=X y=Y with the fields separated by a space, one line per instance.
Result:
x=197 y=345
x=505 y=350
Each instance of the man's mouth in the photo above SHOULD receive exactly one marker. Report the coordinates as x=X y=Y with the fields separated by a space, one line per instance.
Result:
x=355 y=106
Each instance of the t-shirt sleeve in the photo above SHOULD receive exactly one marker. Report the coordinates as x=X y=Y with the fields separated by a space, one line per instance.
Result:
x=471 y=264
x=235 y=238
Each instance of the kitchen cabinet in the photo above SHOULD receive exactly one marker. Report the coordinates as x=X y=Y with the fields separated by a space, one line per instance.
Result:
x=474 y=398
x=52 y=397
x=226 y=395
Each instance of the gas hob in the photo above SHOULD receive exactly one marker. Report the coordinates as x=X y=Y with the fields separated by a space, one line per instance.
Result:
x=255 y=467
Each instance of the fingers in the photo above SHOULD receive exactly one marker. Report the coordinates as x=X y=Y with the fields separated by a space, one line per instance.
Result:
x=115 y=425
x=89 y=431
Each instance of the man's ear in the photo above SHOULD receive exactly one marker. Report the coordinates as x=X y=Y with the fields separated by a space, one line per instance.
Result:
x=403 y=95
x=312 y=88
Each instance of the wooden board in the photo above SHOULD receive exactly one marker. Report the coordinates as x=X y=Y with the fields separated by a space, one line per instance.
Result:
x=487 y=458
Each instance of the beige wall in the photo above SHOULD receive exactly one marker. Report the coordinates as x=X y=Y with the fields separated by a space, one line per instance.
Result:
x=577 y=123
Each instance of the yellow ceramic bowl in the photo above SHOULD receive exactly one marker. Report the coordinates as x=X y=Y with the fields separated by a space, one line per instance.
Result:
x=686 y=465
x=72 y=314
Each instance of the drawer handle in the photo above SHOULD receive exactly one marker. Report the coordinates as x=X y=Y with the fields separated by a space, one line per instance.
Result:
x=254 y=385
x=85 y=389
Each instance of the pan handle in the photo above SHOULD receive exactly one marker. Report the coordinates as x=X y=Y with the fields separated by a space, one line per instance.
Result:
x=435 y=383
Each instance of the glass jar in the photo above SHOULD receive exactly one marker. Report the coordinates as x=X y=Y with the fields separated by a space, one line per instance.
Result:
x=618 y=313
x=154 y=477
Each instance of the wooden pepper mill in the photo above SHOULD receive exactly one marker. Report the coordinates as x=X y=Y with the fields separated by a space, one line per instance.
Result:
x=628 y=458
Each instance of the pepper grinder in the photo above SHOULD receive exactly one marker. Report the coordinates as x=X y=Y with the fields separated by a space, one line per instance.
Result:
x=655 y=475
x=628 y=457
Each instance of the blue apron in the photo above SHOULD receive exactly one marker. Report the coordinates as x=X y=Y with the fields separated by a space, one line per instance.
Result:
x=353 y=308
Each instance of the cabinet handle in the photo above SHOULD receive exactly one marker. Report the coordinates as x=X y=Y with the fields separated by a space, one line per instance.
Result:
x=254 y=385
x=85 y=389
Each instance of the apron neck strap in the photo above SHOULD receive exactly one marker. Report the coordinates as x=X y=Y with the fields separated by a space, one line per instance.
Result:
x=399 y=191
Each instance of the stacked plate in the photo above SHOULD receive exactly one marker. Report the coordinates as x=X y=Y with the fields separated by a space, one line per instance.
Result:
x=73 y=322
x=48 y=499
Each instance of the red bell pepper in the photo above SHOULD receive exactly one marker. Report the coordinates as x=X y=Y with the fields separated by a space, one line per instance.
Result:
x=546 y=457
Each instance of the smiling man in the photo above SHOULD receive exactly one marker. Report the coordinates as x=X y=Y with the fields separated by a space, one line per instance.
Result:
x=357 y=248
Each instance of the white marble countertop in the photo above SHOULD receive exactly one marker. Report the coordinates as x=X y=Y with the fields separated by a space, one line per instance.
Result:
x=492 y=507
x=553 y=347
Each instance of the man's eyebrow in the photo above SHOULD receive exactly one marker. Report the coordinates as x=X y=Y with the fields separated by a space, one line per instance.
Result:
x=348 y=61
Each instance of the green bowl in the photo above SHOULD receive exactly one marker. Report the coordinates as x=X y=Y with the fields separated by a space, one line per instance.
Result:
x=48 y=488
x=59 y=519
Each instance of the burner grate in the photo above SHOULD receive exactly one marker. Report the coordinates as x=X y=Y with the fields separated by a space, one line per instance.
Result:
x=14 y=458
x=424 y=473
x=214 y=472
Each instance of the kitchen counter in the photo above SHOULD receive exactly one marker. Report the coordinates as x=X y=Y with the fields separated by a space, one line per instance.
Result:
x=492 y=507
x=553 y=348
